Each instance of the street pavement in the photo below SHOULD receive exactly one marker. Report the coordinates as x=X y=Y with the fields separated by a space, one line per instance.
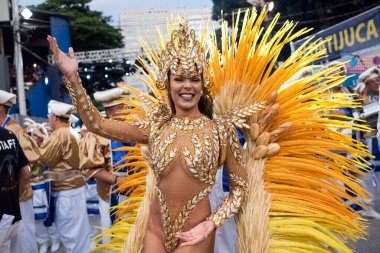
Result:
x=372 y=242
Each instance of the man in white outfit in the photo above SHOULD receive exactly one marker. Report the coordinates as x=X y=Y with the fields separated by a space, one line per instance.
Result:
x=226 y=235
x=99 y=157
x=41 y=196
x=60 y=153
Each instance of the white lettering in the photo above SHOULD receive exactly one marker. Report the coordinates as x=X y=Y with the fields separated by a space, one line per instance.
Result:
x=8 y=144
x=12 y=143
x=5 y=145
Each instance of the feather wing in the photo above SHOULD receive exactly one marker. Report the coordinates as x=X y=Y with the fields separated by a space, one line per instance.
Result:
x=298 y=181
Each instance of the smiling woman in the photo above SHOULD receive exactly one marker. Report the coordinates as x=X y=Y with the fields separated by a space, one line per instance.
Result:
x=185 y=147
x=185 y=94
x=190 y=128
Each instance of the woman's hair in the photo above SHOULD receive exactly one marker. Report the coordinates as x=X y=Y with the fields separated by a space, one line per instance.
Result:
x=205 y=103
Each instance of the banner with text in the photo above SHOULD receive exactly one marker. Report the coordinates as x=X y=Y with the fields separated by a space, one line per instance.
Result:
x=354 y=34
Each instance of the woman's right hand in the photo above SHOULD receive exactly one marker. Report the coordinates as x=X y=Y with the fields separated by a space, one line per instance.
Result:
x=67 y=64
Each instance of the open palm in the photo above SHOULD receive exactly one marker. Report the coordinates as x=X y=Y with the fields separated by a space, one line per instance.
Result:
x=67 y=64
x=196 y=234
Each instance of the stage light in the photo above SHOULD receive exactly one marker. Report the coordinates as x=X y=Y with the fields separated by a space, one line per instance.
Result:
x=270 y=6
x=26 y=13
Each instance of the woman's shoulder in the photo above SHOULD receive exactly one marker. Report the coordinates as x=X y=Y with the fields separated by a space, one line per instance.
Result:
x=221 y=124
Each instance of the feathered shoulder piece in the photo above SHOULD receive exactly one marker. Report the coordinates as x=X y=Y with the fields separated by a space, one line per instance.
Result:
x=298 y=170
x=238 y=116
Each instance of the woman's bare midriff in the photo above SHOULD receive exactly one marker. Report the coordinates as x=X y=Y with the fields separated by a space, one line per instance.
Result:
x=155 y=238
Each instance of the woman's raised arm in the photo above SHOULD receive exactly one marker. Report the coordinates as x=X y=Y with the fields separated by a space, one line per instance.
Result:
x=108 y=128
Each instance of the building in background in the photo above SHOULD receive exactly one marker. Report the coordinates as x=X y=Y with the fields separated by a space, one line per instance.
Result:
x=144 y=23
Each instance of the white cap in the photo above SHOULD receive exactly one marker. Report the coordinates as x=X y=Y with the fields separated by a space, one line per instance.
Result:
x=370 y=74
x=108 y=97
x=303 y=73
x=7 y=99
x=60 y=109
x=342 y=71
x=46 y=126
x=29 y=122
x=73 y=119
x=103 y=114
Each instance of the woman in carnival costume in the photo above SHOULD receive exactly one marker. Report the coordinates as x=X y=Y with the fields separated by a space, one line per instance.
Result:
x=284 y=194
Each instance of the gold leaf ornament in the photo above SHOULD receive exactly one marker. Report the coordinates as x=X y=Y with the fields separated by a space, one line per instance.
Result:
x=183 y=52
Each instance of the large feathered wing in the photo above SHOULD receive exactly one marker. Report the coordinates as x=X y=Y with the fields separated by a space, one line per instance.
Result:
x=298 y=176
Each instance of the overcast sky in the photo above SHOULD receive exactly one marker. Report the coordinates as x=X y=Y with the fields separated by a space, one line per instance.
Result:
x=113 y=7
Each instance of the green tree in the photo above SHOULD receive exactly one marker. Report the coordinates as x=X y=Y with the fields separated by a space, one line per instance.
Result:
x=316 y=14
x=323 y=13
x=228 y=7
x=89 y=30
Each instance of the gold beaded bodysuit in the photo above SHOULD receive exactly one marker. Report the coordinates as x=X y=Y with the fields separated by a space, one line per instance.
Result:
x=184 y=154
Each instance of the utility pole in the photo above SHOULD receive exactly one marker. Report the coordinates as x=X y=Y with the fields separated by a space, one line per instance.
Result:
x=18 y=58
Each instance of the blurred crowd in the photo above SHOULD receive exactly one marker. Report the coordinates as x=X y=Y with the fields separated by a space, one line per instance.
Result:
x=32 y=74
x=70 y=191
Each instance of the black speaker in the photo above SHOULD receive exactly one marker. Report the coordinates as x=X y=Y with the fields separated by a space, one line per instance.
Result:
x=4 y=73
x=57 y=89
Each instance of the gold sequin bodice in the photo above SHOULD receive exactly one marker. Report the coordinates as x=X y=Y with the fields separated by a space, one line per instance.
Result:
x=184 y=156
x=192 y=142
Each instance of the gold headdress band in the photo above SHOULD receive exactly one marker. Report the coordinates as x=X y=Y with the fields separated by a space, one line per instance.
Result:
x=182 y=49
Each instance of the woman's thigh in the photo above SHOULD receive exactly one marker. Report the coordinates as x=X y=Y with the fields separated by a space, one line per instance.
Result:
x=206 y=246
x=153 y=243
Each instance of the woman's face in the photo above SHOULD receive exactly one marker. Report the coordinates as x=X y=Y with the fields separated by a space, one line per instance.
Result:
x=186 y=93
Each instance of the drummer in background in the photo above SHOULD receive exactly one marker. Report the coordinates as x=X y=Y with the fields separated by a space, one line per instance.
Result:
x=368 y=85
x=99 y=158
x=42 y=195
x=60 y=153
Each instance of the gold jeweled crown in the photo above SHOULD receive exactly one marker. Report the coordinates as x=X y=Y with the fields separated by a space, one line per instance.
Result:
x=182 y=49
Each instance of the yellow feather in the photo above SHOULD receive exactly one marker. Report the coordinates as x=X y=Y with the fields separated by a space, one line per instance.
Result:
x=303 y=208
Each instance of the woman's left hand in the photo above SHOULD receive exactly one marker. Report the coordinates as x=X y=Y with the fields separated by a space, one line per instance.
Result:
x=196 y=234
